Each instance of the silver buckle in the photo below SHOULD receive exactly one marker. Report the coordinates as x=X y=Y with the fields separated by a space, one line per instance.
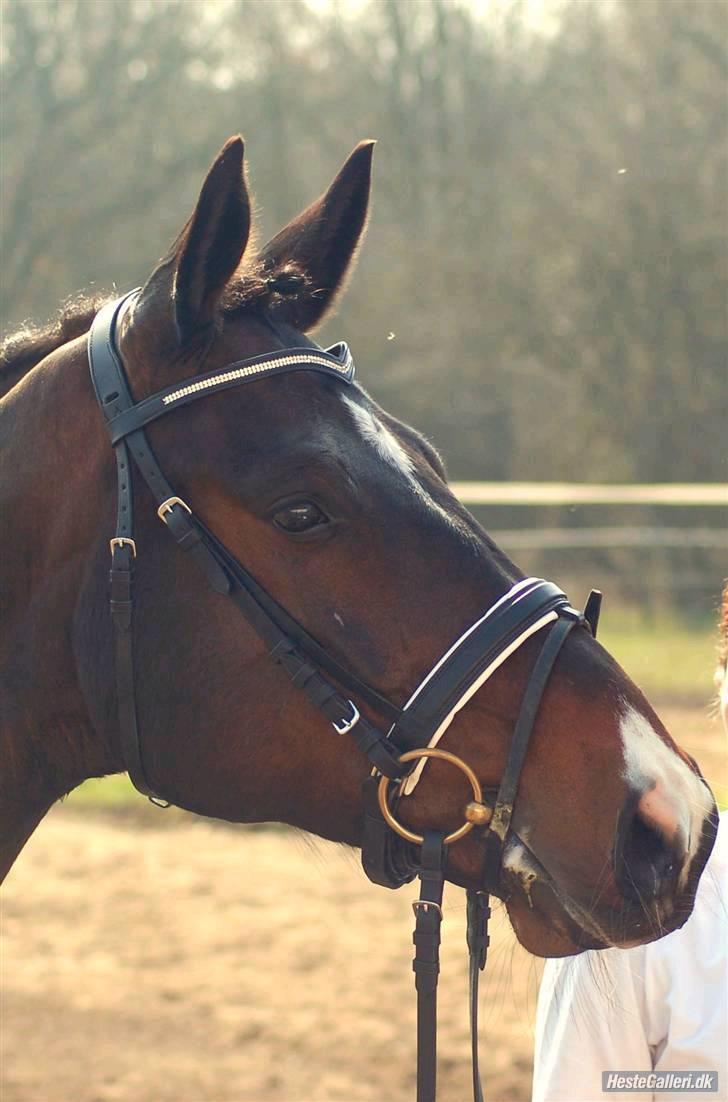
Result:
x=169 y=504
x=347 y=724
x=426 y=904
x=158 y=801
x=121 y=541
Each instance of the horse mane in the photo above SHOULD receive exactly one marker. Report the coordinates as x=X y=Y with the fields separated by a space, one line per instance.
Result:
x=28 y=345
x=31 y=343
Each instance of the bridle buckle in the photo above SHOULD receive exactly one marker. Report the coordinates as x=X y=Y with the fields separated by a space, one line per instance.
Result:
x=123 y=541
x=345 y=725
x=425 y=905
x=159 y=801
x=168 y=505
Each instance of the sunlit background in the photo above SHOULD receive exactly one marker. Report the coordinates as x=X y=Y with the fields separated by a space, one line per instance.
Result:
x=543 y=291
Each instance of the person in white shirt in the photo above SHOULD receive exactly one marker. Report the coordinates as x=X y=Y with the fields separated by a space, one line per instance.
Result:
x=661 y=1007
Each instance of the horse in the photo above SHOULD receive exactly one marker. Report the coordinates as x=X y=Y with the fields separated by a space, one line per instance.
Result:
x=299 y=495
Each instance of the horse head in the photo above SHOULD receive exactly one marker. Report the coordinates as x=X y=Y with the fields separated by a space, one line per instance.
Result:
x=344 y=516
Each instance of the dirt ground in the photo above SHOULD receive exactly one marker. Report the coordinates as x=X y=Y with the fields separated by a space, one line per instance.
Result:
x=172 y=960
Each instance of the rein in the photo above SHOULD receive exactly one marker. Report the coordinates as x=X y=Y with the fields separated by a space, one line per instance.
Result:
x=391 y=854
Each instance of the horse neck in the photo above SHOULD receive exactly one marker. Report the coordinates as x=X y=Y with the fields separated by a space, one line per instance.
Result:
x=51 y=479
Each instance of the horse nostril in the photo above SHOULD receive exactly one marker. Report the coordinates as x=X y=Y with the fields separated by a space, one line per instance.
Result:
x=649 y=855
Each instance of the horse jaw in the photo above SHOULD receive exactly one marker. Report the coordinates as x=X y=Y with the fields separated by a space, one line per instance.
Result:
x=17 y=823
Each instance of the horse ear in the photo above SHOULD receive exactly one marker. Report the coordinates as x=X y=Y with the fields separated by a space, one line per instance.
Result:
x=321 y=243
x=206 y=254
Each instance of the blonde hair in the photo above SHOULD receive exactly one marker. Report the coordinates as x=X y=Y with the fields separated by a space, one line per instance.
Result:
x=721 y=672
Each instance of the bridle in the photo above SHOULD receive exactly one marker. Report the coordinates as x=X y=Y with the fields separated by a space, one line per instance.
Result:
x=391 y=854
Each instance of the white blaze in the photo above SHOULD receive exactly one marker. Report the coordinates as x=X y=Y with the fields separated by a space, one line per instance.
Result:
x=649 y=762
x=384 y=442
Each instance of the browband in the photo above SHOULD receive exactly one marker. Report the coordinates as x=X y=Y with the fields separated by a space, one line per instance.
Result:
x=336 y=360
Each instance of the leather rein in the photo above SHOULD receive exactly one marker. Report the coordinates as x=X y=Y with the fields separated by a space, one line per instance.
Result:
x=391 y=854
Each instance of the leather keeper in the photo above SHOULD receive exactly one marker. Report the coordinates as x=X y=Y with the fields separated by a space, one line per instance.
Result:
x=120 y=586
x=121 y=612
x=383 y=756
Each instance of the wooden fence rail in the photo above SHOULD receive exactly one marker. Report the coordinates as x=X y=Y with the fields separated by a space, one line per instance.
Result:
x=542 y=539
x=582 y=493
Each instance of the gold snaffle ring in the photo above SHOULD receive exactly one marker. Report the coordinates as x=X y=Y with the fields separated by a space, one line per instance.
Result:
x=476 y=812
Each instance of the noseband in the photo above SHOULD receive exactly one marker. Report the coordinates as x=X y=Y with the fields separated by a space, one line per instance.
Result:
x=391 y=854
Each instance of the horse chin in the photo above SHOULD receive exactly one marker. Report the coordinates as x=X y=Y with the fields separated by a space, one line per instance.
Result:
x=545 y=928
x=545 y=922
x=550 y=922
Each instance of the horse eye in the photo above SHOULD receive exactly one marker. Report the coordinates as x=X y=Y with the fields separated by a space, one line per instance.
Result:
x=301 y=517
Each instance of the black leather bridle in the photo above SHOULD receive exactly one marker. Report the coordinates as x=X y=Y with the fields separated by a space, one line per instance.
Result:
x=391 y=854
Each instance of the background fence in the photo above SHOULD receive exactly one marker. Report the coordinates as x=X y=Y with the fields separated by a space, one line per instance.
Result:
x=655 y=546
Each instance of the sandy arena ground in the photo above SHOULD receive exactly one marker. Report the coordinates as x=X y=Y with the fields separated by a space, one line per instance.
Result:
x=167 y=959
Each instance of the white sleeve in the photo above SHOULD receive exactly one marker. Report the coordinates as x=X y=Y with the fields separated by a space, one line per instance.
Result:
x=661 y=1007
x=686 y=990
x=590 y=1019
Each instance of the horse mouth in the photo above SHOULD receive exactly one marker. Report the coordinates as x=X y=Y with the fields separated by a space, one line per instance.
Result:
x=529 y=889
x=536 y=903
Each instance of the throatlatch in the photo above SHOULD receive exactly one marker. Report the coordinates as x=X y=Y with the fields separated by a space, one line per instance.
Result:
x=391 y=854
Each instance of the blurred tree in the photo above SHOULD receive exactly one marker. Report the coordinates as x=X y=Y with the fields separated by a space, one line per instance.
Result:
x=544 y=286
x=626 y=173
x=101 y=124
